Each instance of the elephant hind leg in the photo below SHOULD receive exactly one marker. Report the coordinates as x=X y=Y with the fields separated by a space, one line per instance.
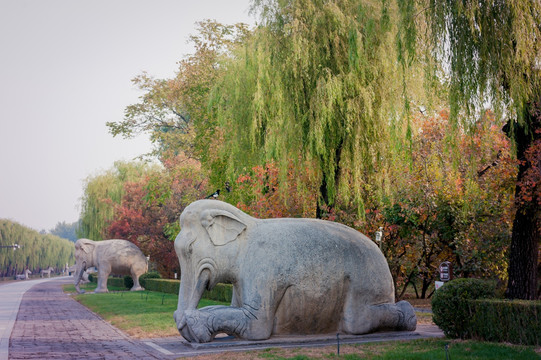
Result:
x=369 y=318
x=136 y=286
x=137 y=269
x=102 y=282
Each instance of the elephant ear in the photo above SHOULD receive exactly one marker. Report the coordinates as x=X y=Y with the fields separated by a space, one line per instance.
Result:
x=86 y=246
x=222 y=226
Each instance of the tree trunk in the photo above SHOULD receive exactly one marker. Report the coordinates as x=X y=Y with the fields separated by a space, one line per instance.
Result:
x=324 y=199
x=522 y=271
x=324 y=187
x=523 y=254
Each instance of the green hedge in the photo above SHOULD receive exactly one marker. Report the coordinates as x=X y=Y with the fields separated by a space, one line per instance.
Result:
x=450 y=305
x=149 y=275
x=169 y=286
x=111 y=281
x=466 y=308
x=221 y=292
x=517 y=321
x=119 y=282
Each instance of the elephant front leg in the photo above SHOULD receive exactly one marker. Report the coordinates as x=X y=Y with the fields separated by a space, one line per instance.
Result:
x=102 y=283
x=202 y=325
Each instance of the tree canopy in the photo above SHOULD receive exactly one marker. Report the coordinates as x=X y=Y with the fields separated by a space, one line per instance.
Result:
x=338 y=109
x=102 y=193
x=491 y=51
x=317 y=81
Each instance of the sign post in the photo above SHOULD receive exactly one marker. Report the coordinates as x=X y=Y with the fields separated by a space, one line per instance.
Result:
x=446 y=271
x=446 y=274
x=379 y=236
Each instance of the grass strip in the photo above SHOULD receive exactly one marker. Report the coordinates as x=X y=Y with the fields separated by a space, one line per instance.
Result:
x=423 y=349
x=147 y=314
x=140 y=314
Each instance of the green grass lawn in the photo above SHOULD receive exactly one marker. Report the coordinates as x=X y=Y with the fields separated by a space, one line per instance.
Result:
x=145 y=314
x=140 y=314
x=424 y=349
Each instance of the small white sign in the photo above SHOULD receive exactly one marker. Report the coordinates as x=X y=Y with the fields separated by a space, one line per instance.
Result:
x=439 y=284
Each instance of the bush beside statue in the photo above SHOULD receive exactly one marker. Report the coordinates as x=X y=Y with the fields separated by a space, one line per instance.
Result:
x=470 y=309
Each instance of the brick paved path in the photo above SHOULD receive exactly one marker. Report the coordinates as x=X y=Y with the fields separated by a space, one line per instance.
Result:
x=51 y=325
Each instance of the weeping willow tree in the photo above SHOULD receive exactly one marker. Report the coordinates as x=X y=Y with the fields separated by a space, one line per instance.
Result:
x=490 y=53
x=169 y=108
x=318 y=81
x=37 y=251
x=102 y=193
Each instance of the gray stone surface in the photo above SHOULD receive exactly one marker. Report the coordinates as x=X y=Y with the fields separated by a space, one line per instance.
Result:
x=172 y=346
x=119 y=257
x=290 y=276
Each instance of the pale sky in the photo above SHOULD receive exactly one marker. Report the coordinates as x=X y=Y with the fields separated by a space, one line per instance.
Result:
x=65 y=70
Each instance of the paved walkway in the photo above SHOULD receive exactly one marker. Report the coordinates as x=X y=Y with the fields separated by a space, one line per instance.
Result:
x=10 y=299
x=51 y=325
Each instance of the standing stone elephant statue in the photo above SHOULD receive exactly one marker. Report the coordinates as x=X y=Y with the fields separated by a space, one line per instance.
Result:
x=289 y=276
x=119 y=257
x=46 y=272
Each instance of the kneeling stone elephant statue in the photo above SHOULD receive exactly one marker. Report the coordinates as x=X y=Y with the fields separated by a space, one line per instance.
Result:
x=119 y=257
x=289 y=276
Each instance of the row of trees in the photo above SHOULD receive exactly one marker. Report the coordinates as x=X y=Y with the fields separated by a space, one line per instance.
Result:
x=66 y=230
x=37 y=251
x=337 y=109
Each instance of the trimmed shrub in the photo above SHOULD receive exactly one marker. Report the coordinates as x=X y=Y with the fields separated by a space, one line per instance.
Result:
x=451 y=311
x=162 y=285
x=148 y=275
x=513 y=321
x=114 y=281
x=221 y=292
x=128 y=282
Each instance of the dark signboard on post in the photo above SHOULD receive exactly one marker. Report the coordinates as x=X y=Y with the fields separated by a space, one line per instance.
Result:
x=446 y=271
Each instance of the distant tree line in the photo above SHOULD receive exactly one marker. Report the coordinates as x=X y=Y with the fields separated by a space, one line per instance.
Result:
x=66 y=230
x=37 y=251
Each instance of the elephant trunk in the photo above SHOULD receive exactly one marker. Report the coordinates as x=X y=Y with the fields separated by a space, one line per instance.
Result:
x=189 y=296
x=80 y=272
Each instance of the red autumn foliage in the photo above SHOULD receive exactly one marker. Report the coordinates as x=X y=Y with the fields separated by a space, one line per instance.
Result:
x=265 y=194
x=149 y=211
x=452 y=200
